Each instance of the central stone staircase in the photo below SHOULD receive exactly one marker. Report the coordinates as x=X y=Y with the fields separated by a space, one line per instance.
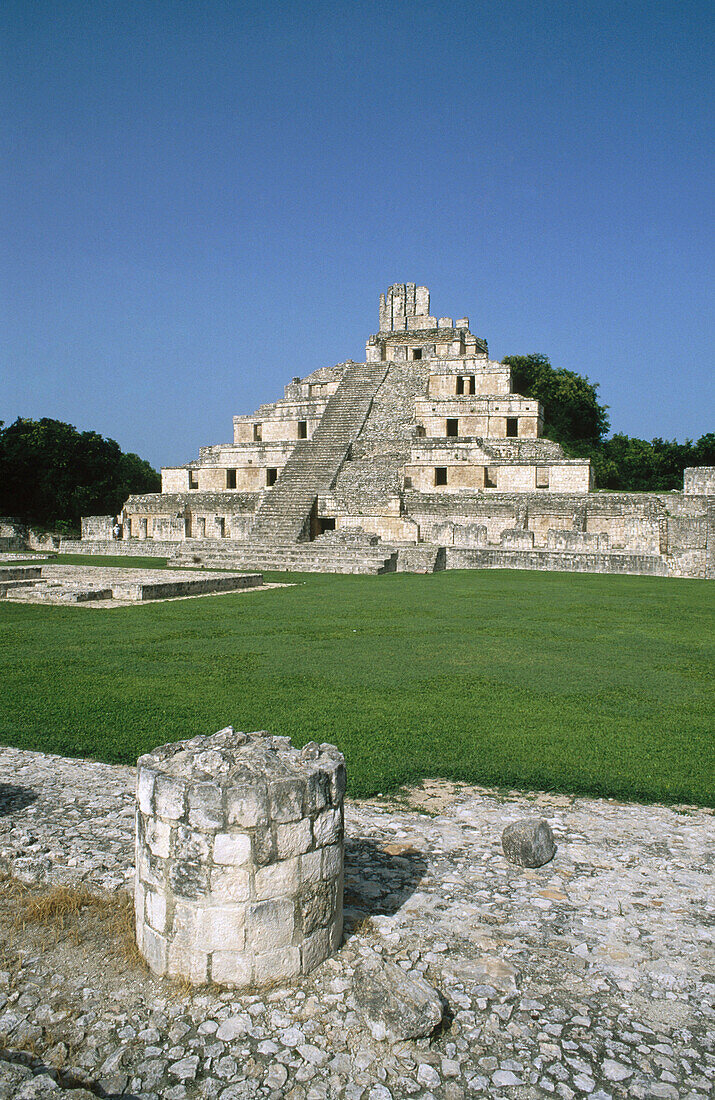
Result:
x=284 y=515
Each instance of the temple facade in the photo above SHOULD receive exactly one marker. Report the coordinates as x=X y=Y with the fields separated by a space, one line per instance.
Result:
x=424 y=444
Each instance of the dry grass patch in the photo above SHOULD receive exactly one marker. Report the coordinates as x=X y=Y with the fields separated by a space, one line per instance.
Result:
x=75 y=913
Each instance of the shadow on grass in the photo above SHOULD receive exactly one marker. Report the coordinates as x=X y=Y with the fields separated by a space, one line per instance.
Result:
x=14 y=798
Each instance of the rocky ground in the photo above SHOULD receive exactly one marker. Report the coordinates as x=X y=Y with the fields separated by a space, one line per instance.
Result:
x=591 y=976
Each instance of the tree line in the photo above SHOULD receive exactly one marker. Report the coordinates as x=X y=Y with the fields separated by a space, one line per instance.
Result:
x=574 y=417
x=51 y=475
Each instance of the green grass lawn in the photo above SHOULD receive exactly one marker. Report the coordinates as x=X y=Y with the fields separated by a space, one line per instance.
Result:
x=568 y=682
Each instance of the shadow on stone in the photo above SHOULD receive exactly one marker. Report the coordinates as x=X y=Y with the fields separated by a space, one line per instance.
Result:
x=379 y=878
x=14 y=798
x=33 y=1077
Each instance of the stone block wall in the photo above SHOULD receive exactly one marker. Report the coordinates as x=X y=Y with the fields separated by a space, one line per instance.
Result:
x=576 y=540
x=699 y=480
x=97 y=528
x=239 y=858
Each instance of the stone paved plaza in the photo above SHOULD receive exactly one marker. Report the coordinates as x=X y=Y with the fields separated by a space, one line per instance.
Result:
x=591 y=976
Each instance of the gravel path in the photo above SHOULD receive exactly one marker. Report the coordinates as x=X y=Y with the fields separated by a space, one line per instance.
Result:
x=592 y=976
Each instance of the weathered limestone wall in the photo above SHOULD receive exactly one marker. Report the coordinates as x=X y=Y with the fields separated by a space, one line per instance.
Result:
x=673 y=525
x=482 y=377
x=485 y=417
x=239 y=858
x=461 y=471
x=518 y=558
x=119 y=548
x=174 y=517
x=699 y=479
x=97 y=527
x=245 y=474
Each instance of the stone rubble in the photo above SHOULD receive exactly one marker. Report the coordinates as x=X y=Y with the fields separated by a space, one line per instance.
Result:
x=589 y=977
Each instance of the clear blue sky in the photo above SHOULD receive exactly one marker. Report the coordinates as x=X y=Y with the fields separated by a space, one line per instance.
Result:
x=200 y=199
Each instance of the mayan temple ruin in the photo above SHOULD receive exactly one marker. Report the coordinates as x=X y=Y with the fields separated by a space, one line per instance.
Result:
x=419 y=458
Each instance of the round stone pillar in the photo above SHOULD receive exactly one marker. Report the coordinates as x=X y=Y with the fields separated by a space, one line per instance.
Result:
x=239 y=858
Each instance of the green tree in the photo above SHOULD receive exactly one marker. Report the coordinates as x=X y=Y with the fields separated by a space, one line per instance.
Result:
x=51 y=474
x=656 y=466
x=573 y=415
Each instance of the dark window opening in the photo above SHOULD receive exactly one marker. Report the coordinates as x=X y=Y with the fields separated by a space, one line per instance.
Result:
x=271 y=476
x=512 y=427
x=490 y=477
x=302 y=429
x=230 y=479
x=440 y=475
x=472 y=384
x=193 y=479
x=452 y=428
x=257 y=433
x=542 y=477
x=460 y=385
x=408 y=483
x=326 y=523
x=220 y=527
x=417 y=353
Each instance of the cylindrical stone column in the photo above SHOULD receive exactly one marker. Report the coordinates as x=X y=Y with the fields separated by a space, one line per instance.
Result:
x=239 y=857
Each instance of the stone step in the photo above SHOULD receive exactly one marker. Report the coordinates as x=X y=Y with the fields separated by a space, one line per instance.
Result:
x=301 y=563
x=314 y=464
x=294 y=550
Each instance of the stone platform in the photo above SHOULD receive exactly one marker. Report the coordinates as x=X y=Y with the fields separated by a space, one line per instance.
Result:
x=589 y=977
x=104 y=586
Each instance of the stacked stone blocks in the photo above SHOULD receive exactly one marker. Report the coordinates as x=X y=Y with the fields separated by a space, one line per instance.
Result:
x=239 y=858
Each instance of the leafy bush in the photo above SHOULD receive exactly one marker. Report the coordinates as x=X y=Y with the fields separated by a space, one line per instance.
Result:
x=51 y=475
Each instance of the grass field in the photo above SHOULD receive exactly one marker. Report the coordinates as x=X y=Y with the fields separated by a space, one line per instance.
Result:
x=578 y=683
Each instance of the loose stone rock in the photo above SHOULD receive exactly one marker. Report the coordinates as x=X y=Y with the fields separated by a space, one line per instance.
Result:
x=396 y=1005
x=529 y=843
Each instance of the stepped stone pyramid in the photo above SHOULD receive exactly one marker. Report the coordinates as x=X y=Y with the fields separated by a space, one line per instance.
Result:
x=424 y=447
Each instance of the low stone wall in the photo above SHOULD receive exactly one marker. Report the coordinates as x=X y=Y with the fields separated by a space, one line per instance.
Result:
x=556 y=561
x=421 y=559
x=12 y=576
x=576 y=541
x=516 y=538
x=132 y=548
x=164 y=590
